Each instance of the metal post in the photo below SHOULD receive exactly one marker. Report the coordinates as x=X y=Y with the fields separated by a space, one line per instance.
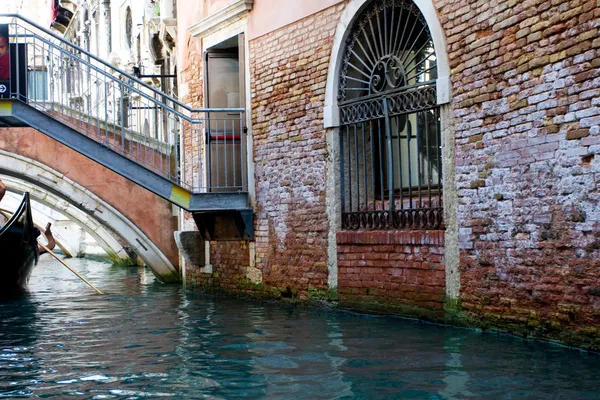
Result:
x=390 y=156
x=342 y=172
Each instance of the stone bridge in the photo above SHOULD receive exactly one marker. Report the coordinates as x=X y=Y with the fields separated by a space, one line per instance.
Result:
x=106 y=144
x=121 y=215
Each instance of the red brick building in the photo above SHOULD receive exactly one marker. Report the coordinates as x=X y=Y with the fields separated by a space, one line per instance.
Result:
x=429 y=158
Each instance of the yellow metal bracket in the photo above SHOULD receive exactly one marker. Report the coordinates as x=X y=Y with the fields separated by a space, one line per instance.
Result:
x=5 y=108
x=180 y=196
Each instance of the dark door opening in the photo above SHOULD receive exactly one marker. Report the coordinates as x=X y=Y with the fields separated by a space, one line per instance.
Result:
x=224 y=88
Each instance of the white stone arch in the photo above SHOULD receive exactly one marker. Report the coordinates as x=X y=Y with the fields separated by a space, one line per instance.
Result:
x=105 y=239
x=349 y=15
x=103 y=222
x=331 y=119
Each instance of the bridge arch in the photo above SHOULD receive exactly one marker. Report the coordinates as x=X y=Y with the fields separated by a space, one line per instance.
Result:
x=97 y=217
x=104 y=239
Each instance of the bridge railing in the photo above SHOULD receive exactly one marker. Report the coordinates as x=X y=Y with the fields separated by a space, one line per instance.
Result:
x=201 y=150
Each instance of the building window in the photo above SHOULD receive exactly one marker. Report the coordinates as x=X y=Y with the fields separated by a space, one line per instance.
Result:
x=38 y=84
x=128 y=28
x=96 y=33
x=390 y=144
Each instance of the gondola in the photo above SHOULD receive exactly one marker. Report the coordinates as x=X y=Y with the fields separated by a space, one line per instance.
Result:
x=18 y=248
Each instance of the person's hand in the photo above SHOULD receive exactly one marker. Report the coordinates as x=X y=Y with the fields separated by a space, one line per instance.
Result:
x=2 y=189
x=49 y=238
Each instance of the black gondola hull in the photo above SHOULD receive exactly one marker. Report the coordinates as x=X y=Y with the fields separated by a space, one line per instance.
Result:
x=18 y=249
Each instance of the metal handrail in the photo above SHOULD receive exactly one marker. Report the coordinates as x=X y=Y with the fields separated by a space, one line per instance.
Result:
x=199 y=149
x=120 y=71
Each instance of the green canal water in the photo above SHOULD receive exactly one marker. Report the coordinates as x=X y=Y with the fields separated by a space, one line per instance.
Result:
x=147 y=340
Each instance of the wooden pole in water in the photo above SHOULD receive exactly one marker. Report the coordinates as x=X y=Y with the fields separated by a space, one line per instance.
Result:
x=71 y=269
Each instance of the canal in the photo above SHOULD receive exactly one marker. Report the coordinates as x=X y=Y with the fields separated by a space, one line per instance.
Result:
x=147 y=340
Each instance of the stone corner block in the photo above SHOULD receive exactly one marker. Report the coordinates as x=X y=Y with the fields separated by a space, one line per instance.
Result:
x=191 y=246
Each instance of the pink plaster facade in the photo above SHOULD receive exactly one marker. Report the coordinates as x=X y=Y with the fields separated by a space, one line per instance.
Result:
x=263 y=19
x=266 y=18
x=188 y=13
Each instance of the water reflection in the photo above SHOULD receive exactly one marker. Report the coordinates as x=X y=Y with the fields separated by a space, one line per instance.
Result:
x=456 y=379
x=147 y=340
x=18 y=339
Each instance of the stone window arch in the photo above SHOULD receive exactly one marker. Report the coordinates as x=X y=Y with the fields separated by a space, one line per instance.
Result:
x=389 y=134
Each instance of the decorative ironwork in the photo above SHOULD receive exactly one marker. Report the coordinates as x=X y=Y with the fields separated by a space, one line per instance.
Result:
x=389 y=48
x=361 y=111
x=427 y=218
x=423 y=98
x=390 y=145
x=401 y=102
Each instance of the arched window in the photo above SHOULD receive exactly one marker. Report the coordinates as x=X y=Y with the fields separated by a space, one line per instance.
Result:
x=128 y=28
x=390 y=145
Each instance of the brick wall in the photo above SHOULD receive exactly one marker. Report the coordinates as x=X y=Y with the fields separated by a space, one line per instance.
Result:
x=230 y=259
x=191 y=92
x=525 y=85
x=392 y=268
x=192 y=75
x=229 y=262
x=526 y=89
x=288 y=70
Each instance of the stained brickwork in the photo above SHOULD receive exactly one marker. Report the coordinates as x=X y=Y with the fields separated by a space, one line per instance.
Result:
x=392 y=268
x=192 y=82
x=525 y=106
x=229 y=262
x=288 y=71
x=526 y=88
x=191 y=93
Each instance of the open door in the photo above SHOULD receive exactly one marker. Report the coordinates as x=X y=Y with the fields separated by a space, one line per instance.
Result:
x=224 y=88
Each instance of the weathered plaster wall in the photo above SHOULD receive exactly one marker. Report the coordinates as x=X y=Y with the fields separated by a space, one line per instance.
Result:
x=526 y=84
x=189 y=53
x=190 y=76
x=266 y=17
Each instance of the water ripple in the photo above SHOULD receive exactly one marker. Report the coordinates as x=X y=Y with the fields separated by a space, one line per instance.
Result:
x=145 y=340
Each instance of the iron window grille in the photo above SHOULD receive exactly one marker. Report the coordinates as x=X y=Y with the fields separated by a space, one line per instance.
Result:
x=390 y=144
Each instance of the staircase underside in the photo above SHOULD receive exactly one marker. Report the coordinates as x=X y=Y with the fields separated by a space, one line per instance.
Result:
x=18 y=114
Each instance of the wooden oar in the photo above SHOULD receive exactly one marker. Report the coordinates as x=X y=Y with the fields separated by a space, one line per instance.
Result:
x=43 y=246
